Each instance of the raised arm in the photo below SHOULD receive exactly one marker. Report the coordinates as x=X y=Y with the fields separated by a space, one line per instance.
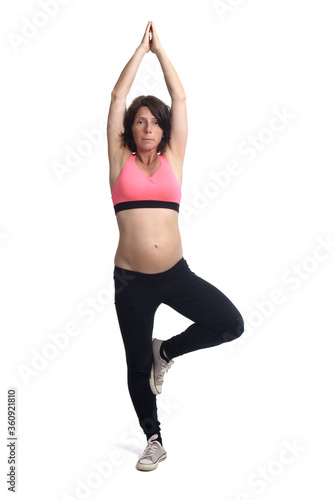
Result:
x=124 y=83
x=179 y=129
x=172 y=81
x=118 y=102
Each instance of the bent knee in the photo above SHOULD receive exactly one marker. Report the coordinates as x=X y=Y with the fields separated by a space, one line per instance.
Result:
x=234 y=329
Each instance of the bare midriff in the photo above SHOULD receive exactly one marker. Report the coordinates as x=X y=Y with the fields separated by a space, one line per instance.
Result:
x=149 y=240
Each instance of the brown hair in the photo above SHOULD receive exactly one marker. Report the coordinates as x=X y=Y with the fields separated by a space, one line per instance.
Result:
x=161 y=112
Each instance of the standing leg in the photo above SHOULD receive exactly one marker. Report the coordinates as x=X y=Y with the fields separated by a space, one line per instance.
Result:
x=136 y=305
x=216 y=319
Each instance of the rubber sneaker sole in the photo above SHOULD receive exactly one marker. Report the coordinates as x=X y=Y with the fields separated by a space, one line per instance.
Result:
x=150 y=466
x=152 y=381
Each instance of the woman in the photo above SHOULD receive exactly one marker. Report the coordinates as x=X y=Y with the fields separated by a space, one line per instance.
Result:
x=146 y=147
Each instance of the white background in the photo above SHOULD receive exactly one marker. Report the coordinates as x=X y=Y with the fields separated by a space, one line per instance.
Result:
x=228 y=414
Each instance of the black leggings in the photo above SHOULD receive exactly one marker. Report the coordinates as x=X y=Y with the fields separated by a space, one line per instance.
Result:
x=137 y=296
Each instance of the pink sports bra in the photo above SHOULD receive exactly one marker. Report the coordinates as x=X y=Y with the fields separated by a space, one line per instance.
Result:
x=135 y=189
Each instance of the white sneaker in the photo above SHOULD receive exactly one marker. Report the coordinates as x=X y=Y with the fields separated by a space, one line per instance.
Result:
x=159 y=368
x=152 y=456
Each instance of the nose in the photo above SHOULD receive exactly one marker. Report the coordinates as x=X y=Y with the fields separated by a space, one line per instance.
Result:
x=148 y=127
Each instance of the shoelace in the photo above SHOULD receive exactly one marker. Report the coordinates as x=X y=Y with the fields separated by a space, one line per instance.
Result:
x=151 y=449
x=165 y=368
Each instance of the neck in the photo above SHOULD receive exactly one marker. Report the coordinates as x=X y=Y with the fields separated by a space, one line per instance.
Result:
x=147 y=157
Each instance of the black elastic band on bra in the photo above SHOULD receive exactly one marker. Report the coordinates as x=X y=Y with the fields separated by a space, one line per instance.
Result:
x=126 y=205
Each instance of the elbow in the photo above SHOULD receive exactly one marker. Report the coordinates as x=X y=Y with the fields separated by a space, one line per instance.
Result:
x=116 y=95
x=179 y=97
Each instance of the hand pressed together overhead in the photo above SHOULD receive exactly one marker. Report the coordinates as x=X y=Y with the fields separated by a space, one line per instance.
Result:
x=152 y=44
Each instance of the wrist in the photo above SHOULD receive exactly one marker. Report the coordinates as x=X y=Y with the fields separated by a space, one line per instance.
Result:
x=141 y=50
x=159 y=51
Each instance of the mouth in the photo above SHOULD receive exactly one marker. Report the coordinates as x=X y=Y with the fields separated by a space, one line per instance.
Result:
x=147 y=139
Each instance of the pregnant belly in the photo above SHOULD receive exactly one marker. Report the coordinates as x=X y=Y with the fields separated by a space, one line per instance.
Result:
x=149 y=241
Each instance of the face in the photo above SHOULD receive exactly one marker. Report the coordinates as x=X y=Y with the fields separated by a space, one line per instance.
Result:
x=145 y=126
